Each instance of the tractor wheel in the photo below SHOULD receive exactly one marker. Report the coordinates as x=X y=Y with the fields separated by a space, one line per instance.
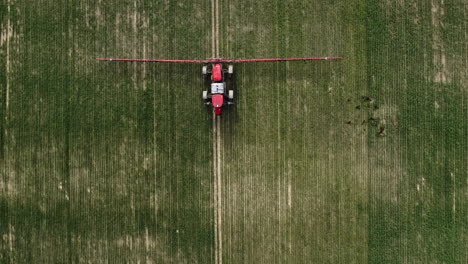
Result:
x=231 y=69
x=231 y=95
x=205 y=96
x=204 y=70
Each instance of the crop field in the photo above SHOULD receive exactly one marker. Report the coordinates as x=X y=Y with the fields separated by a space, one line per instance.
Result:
x=359 y=160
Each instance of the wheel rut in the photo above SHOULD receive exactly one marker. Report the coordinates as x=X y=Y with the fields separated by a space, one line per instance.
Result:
x=217 y=148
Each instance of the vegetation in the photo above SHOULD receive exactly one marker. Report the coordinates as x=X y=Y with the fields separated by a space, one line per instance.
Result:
x=359 y=160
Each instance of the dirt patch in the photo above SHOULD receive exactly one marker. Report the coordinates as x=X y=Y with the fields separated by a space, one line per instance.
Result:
x=439 y=60
x=217 y=28
x=7 y=185
x=213 y=38
x=289 y=189
x=153 y=247
x=144 y=27
x=6 y=34
x=98 y=13
x=5 y=39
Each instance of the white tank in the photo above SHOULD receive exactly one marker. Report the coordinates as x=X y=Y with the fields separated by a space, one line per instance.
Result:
x=217 y=88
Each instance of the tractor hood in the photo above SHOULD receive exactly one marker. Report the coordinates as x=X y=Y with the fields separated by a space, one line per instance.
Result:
x=217 y=73
x=217 y=100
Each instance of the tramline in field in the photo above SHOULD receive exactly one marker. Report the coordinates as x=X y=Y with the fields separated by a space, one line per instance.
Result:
x=217 y=93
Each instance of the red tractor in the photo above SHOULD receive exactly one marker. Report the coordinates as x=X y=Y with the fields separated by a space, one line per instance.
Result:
x=218 y=94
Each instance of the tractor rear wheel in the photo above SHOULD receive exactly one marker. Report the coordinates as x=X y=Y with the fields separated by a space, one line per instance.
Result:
x=231 y=69
x=231 y=95
x=204 y=70
x=205 y=96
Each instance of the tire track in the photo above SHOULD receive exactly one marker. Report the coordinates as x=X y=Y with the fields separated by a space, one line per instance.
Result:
x=219 y=189
x=5 y=37
x=216 y=143
x=213 y=41
x=215 y=185
x=217 y=28
x=9 y=33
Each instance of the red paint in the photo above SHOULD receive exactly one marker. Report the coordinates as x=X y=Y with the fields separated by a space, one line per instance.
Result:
x=217 y=100
x=163 y=61
x=217 y=73
x=222 y=60
x=291 y=59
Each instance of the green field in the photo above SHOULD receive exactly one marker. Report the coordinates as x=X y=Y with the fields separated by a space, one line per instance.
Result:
x=352 y=161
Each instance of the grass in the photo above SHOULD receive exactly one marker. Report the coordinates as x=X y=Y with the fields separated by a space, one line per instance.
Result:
x=295 y=189
x=112 y=162
x=88 y=171
x=424 y=221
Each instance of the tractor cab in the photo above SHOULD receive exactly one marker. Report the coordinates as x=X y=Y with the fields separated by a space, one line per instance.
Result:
x=217 y=88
